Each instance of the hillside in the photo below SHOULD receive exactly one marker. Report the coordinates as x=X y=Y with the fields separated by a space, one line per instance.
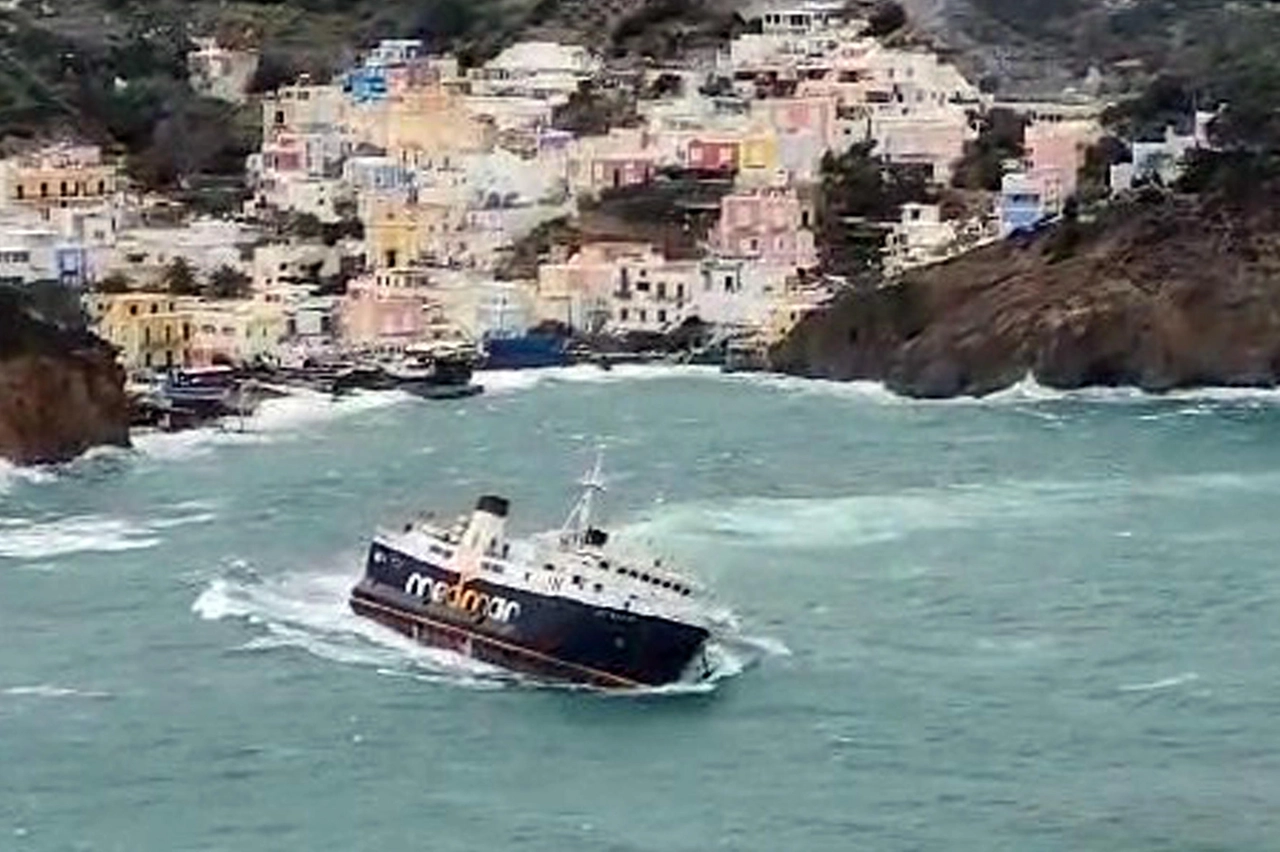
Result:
x=1036 y=47
x=1159 y=293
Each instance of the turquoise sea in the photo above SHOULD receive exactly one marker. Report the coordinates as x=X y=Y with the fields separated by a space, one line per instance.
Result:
x=1035 y=622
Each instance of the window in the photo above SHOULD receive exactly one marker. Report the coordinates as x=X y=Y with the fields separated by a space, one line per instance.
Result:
x=133 y=310
x=680 y=292
x=279 y=116
x=21 y=192
x=662 y=290
x=155 y=309
x=622 y=314
x=44 y=190
x=728 y=283
x=62 y=188
x=642 y=286
x=102 y=187
x=644 y=315
x=662 y=315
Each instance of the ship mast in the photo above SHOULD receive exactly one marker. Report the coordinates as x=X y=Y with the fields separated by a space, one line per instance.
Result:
x=576 y=525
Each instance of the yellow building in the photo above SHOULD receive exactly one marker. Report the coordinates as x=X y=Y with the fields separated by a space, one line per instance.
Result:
x=398 y=233
x=151 y=330
x=421 y=126
x=238 y=331
x=759 y=150
x=61 y=177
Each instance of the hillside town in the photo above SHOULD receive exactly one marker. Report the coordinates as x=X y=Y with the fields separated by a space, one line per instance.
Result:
x=412 y=200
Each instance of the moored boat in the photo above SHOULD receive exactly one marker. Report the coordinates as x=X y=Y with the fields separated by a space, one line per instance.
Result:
x=436 y=371
x=566 y=608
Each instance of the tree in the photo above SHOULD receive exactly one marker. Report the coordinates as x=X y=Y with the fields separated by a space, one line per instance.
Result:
x=304 y=226
x=180 y=279
x=857 y=192
x=116 y=282
x=888 y=18
x=1000 y=138
x=228 y=283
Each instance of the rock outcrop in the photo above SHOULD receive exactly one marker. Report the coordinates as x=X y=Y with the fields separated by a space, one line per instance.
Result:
x=1160 y=295
x=61 y=390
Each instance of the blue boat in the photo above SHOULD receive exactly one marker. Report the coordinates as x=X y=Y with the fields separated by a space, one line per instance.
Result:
x=505 y=351
x=508 y=343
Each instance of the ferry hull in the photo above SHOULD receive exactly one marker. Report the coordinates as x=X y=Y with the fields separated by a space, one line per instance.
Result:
x=546 y=636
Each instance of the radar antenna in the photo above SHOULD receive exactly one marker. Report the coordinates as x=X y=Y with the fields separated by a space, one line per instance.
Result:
x=578 y=524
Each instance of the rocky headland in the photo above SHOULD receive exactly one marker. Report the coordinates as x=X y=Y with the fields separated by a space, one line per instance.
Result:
x=1159 y=293
x=61 y=390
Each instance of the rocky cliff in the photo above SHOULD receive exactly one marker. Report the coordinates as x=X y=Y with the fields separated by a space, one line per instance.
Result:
x=1164 y=294
x=61 y=391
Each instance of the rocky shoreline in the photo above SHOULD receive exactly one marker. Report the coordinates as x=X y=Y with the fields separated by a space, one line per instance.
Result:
x=1157 y=294
x=61 y=390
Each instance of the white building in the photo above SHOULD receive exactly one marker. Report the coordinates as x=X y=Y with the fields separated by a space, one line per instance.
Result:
x=919 y=237
x=220 y=72
x=541 y=69
x=31 y=254
x=206 y=244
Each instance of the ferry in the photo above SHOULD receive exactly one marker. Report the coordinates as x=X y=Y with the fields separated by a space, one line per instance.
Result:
x=568 y=609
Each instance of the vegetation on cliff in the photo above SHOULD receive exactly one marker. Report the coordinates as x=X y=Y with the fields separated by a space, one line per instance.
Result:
x=1162 y=292
x=61 y=391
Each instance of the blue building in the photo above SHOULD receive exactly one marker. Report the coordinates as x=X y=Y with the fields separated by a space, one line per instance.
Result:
x=1023 y=205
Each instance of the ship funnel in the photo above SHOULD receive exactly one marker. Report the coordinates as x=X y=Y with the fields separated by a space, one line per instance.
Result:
x=486 y=532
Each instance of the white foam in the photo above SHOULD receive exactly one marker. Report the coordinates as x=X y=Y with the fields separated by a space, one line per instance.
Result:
x=11 y=475
x=839 y=521
x=508 y=381
x=1027 y=391
x=275 y=420
x=28 y=539
x=1158 y=685
x=309 y=612
x=46 y=690
x=21 y=539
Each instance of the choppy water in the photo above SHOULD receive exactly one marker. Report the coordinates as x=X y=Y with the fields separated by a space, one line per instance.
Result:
x=1036 y=622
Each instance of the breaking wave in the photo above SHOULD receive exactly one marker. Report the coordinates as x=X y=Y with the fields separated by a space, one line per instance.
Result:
x=48 y=690
x=1025 y=392
x=28 y=539
x=840 y=521
x=1163 y=684
x=508 y=381
x=275 y=420
x=309 y=612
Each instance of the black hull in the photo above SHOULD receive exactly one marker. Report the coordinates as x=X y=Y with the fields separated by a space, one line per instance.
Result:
x=546 y=636
x=432 y=390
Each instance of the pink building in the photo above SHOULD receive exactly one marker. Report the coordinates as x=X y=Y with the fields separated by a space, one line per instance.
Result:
x=1058 y=148
x=713 y=155
x=815 y=114
x=769 y=225
x=386 y=309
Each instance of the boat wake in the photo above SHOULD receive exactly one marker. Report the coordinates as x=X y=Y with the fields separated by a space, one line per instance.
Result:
x=309 y=613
